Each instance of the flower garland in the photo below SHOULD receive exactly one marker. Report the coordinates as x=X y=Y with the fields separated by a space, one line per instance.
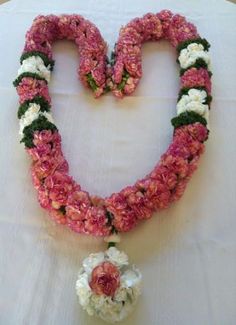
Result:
x=103 y=284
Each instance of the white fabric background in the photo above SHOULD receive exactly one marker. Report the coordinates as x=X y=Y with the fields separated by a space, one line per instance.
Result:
x=187 y=254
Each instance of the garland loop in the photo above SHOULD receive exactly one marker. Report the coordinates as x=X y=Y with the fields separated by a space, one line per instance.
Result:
x=58 y=193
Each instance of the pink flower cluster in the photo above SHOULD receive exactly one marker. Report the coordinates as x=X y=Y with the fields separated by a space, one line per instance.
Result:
x=175 y=27
x=151 y=27
x=93 y=49
x=59 y=193
x=29 y=87
x=165 y=184
x=128 y=50
x=68 y=204
x=196 y=78
x=91 y=46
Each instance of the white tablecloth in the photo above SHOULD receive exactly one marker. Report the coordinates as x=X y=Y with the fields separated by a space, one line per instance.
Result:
x=187 y=254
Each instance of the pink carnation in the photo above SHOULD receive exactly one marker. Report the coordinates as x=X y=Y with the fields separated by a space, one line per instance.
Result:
x=35 y=179
x=180 y=30
x=47 y=155
x=98 y=74
x=28 y=88
x=43 y=198
x=125 y=221
x=137 y=201
x=186 y=149
x=165 y=17
x=124 y=218
x=118 y=69
x=42 y=33
x=59 y=187
x=76 y=225
x=152 y=27
x=164 y=176
x=40 y=151
x=48 y=165
x=175 y=164
x=197 y=131
x=116 y=202
x=70 y=26
x=77 y=205
x=47 y=137
x=157 y=194
x=105 y=279
x=184 y=144
x=97 y=201
x=179 y=190
x=96 y=222
x=131 y=85
x=196 y=78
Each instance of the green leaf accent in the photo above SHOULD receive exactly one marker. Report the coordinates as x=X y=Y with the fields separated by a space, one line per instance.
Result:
x=114 y=230
x=198 y=40
x=106 y=90
x=187 y=118
x=200 y=63
x=43 y=56
x=27 y=75
x=113 y=58
x=109 y=216
x=44 y=105
x=111 y=244
x=184 y=91
x=41 y=123
x=122 y=84
x=91 y=81
x=62 y=209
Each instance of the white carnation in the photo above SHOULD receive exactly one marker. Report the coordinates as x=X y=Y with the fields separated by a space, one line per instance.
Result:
x=131 y=278
x=98 y=301
x=83 y=289
x=121 y=294
x=48 y=116
x=92 y=261
x=197 y=95
x=194 y=101
x=116 y=257
x=32 y=113
x=196 y=107
x=35 y=64
x=191 y=53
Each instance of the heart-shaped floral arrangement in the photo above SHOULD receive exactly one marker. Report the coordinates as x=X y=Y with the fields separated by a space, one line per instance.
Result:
x=107 y=286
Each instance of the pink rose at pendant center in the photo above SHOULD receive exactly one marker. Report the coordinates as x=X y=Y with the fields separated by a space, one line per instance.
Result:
x=105 y=279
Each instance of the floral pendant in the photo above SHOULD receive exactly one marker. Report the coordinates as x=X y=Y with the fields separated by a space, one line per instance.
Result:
x=108 y=286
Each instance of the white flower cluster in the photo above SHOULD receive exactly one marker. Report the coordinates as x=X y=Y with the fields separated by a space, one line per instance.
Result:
x=191 y=53
x=110 y=309
x=194 y=101
x=32 y=113
x=35 y=64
